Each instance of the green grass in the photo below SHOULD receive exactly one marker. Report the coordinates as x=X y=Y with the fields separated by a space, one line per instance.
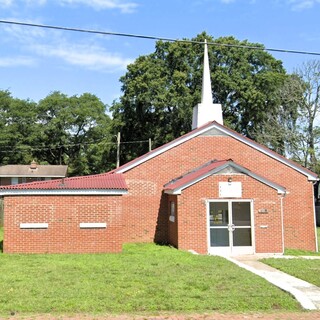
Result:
x=304 y=269
x=1 y=239
x=145 y=278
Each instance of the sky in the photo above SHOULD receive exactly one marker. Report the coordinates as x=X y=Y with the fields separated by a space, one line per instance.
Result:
x=35 y=62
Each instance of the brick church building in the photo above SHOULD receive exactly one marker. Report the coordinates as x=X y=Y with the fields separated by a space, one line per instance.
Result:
x=212 y=191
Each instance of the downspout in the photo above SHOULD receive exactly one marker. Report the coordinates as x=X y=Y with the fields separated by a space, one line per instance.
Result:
x=314 y=217
x=282 y=220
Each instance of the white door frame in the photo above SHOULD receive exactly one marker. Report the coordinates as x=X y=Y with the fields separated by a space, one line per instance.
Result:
x=230 y=250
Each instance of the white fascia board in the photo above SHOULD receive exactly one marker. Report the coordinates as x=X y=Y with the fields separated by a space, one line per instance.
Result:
x=161 y=150
x=216 y=170
x=238 y=137
x=173 y=192
x=30 y=176
x=268 y=152
x=280 y=189
x=94 y=192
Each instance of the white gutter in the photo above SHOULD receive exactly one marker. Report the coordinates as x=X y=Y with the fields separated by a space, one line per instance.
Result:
x=63 y=192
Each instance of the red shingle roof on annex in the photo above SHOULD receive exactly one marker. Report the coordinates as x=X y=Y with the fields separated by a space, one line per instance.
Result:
x=104 y=181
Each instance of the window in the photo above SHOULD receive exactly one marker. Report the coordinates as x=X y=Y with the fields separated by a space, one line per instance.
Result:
x=172 y=217
x=14 y=181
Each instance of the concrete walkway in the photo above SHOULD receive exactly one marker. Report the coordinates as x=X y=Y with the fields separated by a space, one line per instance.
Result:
x=308 y=295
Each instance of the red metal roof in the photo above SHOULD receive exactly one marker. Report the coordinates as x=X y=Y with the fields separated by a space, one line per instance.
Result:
x=103 y=181
x=194 y=174
x=175 y=186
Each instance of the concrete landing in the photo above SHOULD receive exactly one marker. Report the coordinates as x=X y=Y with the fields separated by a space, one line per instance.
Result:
x=308 y=295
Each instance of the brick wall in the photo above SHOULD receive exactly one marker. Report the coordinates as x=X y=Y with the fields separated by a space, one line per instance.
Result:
x=63 y=215
x=145 y=208
x=192 y=217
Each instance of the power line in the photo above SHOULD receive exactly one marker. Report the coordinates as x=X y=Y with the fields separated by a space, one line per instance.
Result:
x=26 y=148
x=156 y=38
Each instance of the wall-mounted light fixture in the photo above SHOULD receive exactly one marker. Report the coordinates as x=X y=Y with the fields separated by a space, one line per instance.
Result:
x=229 y=179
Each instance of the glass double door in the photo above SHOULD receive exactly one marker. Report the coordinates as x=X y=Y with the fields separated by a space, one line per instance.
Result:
x=230 y=227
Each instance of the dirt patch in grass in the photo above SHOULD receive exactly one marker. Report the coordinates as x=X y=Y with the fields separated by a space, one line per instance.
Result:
x=312 y=315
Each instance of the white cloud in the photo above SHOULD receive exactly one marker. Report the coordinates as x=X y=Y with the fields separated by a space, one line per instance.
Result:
x=16 y=61
x=23 y=34
x=87 y=56
x=123 y=6
x=299 y=5
x=6 y=3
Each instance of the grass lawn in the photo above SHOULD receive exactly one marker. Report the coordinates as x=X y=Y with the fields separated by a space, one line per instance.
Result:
x=145 y=278
x=307 y=270
x=1 y=239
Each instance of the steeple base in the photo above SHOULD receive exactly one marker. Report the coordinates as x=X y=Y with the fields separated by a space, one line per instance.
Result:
x=203 y=114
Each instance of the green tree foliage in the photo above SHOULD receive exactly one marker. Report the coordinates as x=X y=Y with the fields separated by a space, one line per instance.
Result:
x=74 y=131
x=160 y=90
x=280 y=130
x=57 y=130
x=307 y=148
x=17 y=129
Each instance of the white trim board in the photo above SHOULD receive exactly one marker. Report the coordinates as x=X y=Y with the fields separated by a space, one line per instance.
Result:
x=65 y=192
x=224 y=130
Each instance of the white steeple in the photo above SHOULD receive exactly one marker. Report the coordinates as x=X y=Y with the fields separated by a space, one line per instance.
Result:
x=206 y=111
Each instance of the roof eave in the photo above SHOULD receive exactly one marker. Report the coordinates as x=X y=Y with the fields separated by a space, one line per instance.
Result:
x=225 y=130
x=28 y=192
x=178 y=190
x=31 y=176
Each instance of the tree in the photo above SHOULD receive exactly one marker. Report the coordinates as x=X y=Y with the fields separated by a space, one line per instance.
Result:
x=74 y=131
x=17 y=129
x=309 y=110
x=294 y=131
x=160 y=90
x=280 y=130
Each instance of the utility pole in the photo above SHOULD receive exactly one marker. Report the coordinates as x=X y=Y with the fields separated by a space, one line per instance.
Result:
x=150 y=145
x=118 y=150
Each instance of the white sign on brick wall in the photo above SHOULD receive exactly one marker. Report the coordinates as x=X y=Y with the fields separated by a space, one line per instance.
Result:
x=230 y=189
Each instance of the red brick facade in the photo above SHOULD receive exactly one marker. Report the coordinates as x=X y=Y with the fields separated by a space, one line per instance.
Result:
x=63 y=215
x=142 y=215
x=191 y=218
x=145 y=208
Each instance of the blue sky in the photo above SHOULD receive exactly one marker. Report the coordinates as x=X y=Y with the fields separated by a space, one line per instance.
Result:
x=35 y=62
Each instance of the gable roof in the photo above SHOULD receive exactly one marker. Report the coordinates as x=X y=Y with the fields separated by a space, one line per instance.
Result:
x=95 y=184
x=223 y=130
x=52 y=171
x=214 y=167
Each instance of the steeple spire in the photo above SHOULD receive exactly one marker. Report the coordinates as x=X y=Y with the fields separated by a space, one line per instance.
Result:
x=206 y=93
x=206 y=111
